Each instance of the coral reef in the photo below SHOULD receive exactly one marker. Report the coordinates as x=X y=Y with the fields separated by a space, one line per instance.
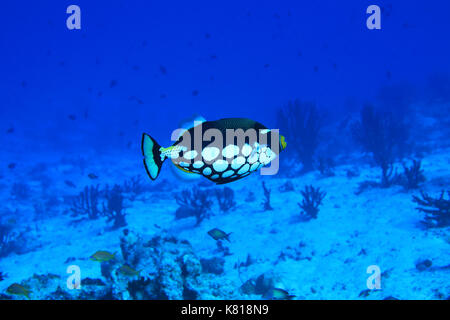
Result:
x=114 y=209
x=133 y=187
x=413 y=176
x=7 y=240
x=302 y=123
x=225 y=198
x=266 y=201
x=312 y=198
x=87 y=202
x=195 y=203
x=437 y=210
x=326 y=166
x=383 y=136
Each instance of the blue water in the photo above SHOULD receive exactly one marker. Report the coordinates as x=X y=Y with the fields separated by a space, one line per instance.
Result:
x=74 y=105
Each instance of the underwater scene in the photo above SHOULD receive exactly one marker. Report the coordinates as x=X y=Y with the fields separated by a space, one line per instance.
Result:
x=238 y=150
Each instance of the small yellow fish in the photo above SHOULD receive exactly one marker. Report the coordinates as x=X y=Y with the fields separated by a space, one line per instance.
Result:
x=218 y=234
x=278 y=294
x=19 y=290
x=126 y=270
x=103 y=256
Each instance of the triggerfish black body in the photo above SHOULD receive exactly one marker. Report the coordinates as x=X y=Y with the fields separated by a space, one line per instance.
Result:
x=222 y=151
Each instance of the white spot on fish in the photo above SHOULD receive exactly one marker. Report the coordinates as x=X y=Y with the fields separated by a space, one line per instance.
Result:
x=254 y=166
x=230 y=151
x=228 y=173
x=210 y=153
x=207 y=171
x=183 y=164
x=190 y=154
x=198 y=164
x=244 y=169
x=237 y=163
x=253 y=158
x=220 y=165
x=214 y=177
x=246 y=150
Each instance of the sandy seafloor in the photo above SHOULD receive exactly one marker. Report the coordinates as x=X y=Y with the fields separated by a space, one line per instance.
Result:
x=326 y=258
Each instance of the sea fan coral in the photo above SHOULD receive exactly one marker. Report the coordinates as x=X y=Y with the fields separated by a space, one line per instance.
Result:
x=225 y=198
x=114 y=209
x=195 y=203
x=302 y=123
x=382 y=135
x=86 y=203
x=437 y=210
x=312 y=198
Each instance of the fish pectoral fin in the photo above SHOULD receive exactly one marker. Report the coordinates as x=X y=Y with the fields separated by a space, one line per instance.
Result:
x=183 y=169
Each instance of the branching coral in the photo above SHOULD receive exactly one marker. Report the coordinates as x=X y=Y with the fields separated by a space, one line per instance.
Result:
x=266 y=202
x=133 y=187
x=413 y=175
x=382 y=135
x=225 y=198
x=87 y=202
x=195 y=203
x=302 y=123
x=312 y=199
x=7 y=240
x=437 y=210
x=114 y=209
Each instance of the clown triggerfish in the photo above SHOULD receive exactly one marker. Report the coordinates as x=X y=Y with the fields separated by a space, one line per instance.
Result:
x=222 y=151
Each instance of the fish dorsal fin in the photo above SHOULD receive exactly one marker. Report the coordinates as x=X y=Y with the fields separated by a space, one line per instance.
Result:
x=189 y=123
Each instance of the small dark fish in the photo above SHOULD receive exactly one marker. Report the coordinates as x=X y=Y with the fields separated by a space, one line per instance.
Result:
x=139 y=101
x=18 y=290
x=100 y=93
x=316 y=68
x=136 y=68
x=276 y=16
x=62 y=63
x=103 y=256
x=23 y=84
x=162 y=69
x=213 y=57
x=144 y=43
x=72 y=117
x=299 y=54
x=70 y=184
x=92 y=176
x=10 y=130
x=128 y=271
x=195 y=93
x=207 y=36
x=11 y=166
x=218 y=234
x=266 y=65
x=163 y=96
x=113 y=83
x=129 y=144
x=2 y=276
x=97 y=61
x=278 y=294
x=364 y=293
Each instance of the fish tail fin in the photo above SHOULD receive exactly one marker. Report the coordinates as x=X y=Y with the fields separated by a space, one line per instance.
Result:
x=152 y=156
x=227 y=237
